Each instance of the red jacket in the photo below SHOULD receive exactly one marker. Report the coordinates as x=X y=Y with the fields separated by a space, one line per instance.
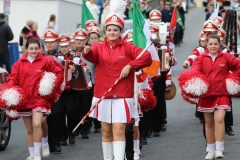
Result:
x=216 y=71
x=109 y=64
x=27 y=75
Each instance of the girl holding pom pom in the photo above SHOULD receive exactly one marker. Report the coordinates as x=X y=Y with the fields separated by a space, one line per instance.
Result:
x=215 y=65
x=33 y=73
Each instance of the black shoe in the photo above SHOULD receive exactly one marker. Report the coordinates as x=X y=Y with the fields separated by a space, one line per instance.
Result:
x=89 y=131
x=149 y=134
x=56 y=149
x=85 y=136
x=164 y=121
x=76 y=133
x=71 y=139
x=63 y=142
x=229 y=131
x=97 y=130
x=156 y=134
x=163 y=128
x=201 y=119
x=144 y=141
x=196 y=114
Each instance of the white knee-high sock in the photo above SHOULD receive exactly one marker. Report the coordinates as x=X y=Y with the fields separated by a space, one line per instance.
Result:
x=37 y=147
x=107 y=150
x=119 y=150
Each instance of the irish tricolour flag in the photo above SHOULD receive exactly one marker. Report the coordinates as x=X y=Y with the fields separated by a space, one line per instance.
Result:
x=141 y=38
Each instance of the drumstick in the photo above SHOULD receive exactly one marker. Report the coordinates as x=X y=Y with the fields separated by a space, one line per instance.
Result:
x=109 y=90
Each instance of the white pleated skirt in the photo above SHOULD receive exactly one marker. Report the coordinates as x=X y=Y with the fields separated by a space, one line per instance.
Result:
x=120 y=110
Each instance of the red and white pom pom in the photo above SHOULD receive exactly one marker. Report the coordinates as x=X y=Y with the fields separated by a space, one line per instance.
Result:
x=12 y=114
x=11 y=97
x=193 y=84
x=146 y=99
x=189 y=99
x=142 y=79
x=47 y=84
x=232 y=84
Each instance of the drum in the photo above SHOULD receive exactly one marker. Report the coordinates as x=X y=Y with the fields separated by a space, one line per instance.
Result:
x=82 y=79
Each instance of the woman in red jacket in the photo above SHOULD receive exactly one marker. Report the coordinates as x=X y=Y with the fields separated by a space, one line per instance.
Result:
x=29 y=73
x=115 y=59
x=215 y=65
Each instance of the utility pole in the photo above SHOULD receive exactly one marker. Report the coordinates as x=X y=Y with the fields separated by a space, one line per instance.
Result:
x=6 y=9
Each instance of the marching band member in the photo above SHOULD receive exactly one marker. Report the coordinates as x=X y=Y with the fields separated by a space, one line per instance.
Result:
x=68 y=98
x=115 y=59
x=50 y=39
x=72 y=42
x=159 y=113
x=84 y=96
x=94 y=37
x=155 y=16
x=30 y=67
x=215 y=102
x=145 y=121
x=54 y=127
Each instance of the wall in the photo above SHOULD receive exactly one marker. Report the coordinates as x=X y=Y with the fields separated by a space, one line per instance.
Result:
x=68 y=14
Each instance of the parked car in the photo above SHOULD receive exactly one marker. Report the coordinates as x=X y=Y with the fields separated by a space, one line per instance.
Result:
x=5 y=130
x=5 y=123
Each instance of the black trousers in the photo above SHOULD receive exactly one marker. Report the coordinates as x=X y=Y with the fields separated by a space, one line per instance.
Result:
x=159 y=113
x=68 y=102
x=145 y=124
x=68 y=124
x=84 y=104
x=55 y=129
x=96 y=123
x=129 y=141
x=229 y=117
